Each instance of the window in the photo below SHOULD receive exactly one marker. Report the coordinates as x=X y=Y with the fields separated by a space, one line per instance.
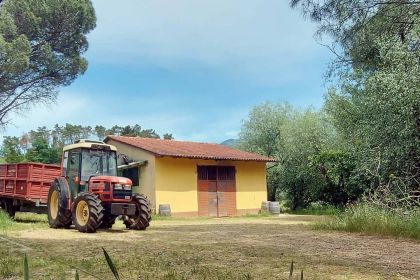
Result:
x=216 y=173
x=132 y=174
x=65 y=162
x=98 y=163
x=73 y=165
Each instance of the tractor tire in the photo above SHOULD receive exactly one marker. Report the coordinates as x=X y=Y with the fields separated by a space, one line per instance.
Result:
x=10 y=208
x=58 y=215
x=143 y=216
x=88 y=212
x=108 y=221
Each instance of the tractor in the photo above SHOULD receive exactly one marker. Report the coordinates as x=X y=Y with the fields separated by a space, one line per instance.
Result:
x=90 y=195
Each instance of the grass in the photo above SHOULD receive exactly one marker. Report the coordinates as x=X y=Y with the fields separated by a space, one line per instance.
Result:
x=372 y=220
x=250 y=247
x=22 y=221
x=170 y=218
x=5 y=221
x=316 y=209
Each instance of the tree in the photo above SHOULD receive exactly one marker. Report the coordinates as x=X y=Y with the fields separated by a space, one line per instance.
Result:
x=70 y=133
x=11 y=150
x=45 y=145
x=374 y=102
x=294 y=138
x=100 y=131
x=149 y=133
x=168 y=136
x=261 y=133
x=306 y=134
x=133 y=131
x=41 y=47
x=380 y=119
x=41 y=152
x=355 y=27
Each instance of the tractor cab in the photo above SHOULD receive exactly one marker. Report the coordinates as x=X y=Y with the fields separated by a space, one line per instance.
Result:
x=91 y=166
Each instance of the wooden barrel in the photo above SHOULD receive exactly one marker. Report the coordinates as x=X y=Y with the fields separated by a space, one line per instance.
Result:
x=165 y=209
x=274 y=207
x=265 y=206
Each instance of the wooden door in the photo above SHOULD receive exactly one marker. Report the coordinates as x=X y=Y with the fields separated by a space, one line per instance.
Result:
x=216 y=191
x=212 y=201
x=226 y=190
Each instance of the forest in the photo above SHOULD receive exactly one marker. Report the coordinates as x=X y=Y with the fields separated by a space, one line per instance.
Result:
x=46 y=145
x=363 y=146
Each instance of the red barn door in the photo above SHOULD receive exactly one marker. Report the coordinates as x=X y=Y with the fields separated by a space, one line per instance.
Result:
x=216 y=191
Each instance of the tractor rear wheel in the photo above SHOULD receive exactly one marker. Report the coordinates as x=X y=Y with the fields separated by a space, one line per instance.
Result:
x=88 y=212
x=108 y=221
x=141 y=220
x=58 y=215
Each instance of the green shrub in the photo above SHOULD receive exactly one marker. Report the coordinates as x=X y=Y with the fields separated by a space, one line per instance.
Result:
x=371 y=219
x=5 y=221
x=317 y=208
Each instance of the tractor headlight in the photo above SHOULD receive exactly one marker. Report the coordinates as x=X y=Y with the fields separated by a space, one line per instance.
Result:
x=118 y=187
x=127 y=187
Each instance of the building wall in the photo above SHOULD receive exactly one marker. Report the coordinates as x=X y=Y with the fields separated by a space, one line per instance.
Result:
x=147 y=172
x=251 y=186
x=176 y=184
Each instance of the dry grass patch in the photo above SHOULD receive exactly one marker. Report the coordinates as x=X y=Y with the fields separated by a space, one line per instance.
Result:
x=229 y=248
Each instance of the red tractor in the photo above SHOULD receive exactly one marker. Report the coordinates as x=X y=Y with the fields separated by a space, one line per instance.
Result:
x=90 y=195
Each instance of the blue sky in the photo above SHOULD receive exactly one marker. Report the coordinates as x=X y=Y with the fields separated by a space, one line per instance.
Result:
x=191 y=68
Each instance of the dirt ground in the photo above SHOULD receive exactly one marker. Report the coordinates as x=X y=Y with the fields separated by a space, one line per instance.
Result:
x=226 y=248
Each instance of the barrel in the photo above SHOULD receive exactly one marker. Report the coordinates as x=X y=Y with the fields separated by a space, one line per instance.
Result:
x=265 y=206
x=165 y=209
x=274 y=207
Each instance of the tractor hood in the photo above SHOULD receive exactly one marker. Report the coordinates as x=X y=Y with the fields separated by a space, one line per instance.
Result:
x=113 y=179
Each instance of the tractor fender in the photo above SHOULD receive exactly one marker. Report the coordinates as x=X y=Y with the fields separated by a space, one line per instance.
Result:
x=65 y=194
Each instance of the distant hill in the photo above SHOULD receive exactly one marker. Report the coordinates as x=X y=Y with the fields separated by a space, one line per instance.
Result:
x=230 y=142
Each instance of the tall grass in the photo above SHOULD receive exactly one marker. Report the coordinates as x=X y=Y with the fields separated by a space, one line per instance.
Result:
x=371 y=219
x=114 y=270
x=5 y=221
x=316 y=209
x=21 y=221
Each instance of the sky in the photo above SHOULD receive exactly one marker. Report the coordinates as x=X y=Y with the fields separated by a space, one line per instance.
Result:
x=191 y=68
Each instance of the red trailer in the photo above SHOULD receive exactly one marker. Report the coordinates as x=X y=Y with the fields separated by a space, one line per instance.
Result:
x=25 y=186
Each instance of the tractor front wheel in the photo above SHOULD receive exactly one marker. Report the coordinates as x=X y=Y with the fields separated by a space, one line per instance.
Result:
x=87 y=212
x=141 y=220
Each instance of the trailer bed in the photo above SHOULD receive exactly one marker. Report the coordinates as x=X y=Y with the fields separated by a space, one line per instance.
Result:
x=27 y=181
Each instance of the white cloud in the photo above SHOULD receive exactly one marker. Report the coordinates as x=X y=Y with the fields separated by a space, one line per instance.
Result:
x=244 y=42
x=254 y=37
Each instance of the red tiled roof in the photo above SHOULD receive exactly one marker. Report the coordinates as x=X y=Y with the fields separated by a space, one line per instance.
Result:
x=185 y=149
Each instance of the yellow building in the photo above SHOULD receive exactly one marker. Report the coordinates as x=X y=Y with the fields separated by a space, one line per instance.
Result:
x=195 y=179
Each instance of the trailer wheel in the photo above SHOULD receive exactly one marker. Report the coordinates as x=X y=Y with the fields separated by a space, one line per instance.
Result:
x=58 y=216
x=88 y=212
x=9 y=208
x=143 y=216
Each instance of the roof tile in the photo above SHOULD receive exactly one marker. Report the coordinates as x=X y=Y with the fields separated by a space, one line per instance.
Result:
x=186 y=149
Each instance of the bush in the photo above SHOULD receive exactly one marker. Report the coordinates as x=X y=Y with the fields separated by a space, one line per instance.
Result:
x=5 y=221
x=317 y=208
x=371 y=219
